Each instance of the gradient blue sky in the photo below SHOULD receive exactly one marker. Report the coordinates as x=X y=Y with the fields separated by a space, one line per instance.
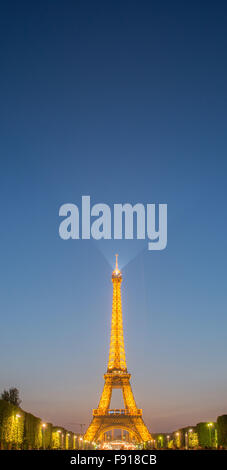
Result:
x=124 y=101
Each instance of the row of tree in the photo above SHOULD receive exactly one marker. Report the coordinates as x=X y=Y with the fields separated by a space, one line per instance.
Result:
x=205 y=435
x=22 y=430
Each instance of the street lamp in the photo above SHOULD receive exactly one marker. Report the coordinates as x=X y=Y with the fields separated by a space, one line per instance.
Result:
x=186 y=441
x=59 y=432
x=43 y=434
x=18 y=416
x=75 y=444
x=210 y=426
x=167 y=441
x=189 y=432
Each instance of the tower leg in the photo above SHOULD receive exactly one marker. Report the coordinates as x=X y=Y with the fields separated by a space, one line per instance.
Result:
x=104 y=403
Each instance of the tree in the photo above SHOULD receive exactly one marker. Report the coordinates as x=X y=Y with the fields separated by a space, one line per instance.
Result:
x=222 y=431
x=12 y=396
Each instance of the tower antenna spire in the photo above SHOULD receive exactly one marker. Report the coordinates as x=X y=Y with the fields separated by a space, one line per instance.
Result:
x=116 y=267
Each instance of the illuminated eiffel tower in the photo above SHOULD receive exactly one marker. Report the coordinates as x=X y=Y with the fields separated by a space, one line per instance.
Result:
x=130 y=418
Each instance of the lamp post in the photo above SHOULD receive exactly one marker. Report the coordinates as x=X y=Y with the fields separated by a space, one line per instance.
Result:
x=210 y=426
x=77 y=443
x=186 y=441
x=189 y=432
x=177 y=435
x=59 y=432
x=167 y=441
x=43 y=434
x=67 y=443
x=18 y=416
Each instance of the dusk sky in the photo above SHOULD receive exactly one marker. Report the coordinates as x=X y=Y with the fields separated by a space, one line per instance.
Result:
x=124 y=101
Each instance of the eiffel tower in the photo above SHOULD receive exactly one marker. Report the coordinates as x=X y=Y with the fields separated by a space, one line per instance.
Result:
x=130 y=418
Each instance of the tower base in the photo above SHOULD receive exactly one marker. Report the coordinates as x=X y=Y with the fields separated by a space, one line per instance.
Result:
x=117 y=420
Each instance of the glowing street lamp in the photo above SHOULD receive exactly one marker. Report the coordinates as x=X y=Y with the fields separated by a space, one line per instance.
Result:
x=81 y=442
x=43 y=434
x=189 y=432
x=186 y=441
x=160 y=440
x=18 y=416
x=210 y=426
x=60 y=433
x=177 y=436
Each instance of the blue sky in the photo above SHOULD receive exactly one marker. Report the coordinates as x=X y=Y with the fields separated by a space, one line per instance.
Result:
x=125 y=102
